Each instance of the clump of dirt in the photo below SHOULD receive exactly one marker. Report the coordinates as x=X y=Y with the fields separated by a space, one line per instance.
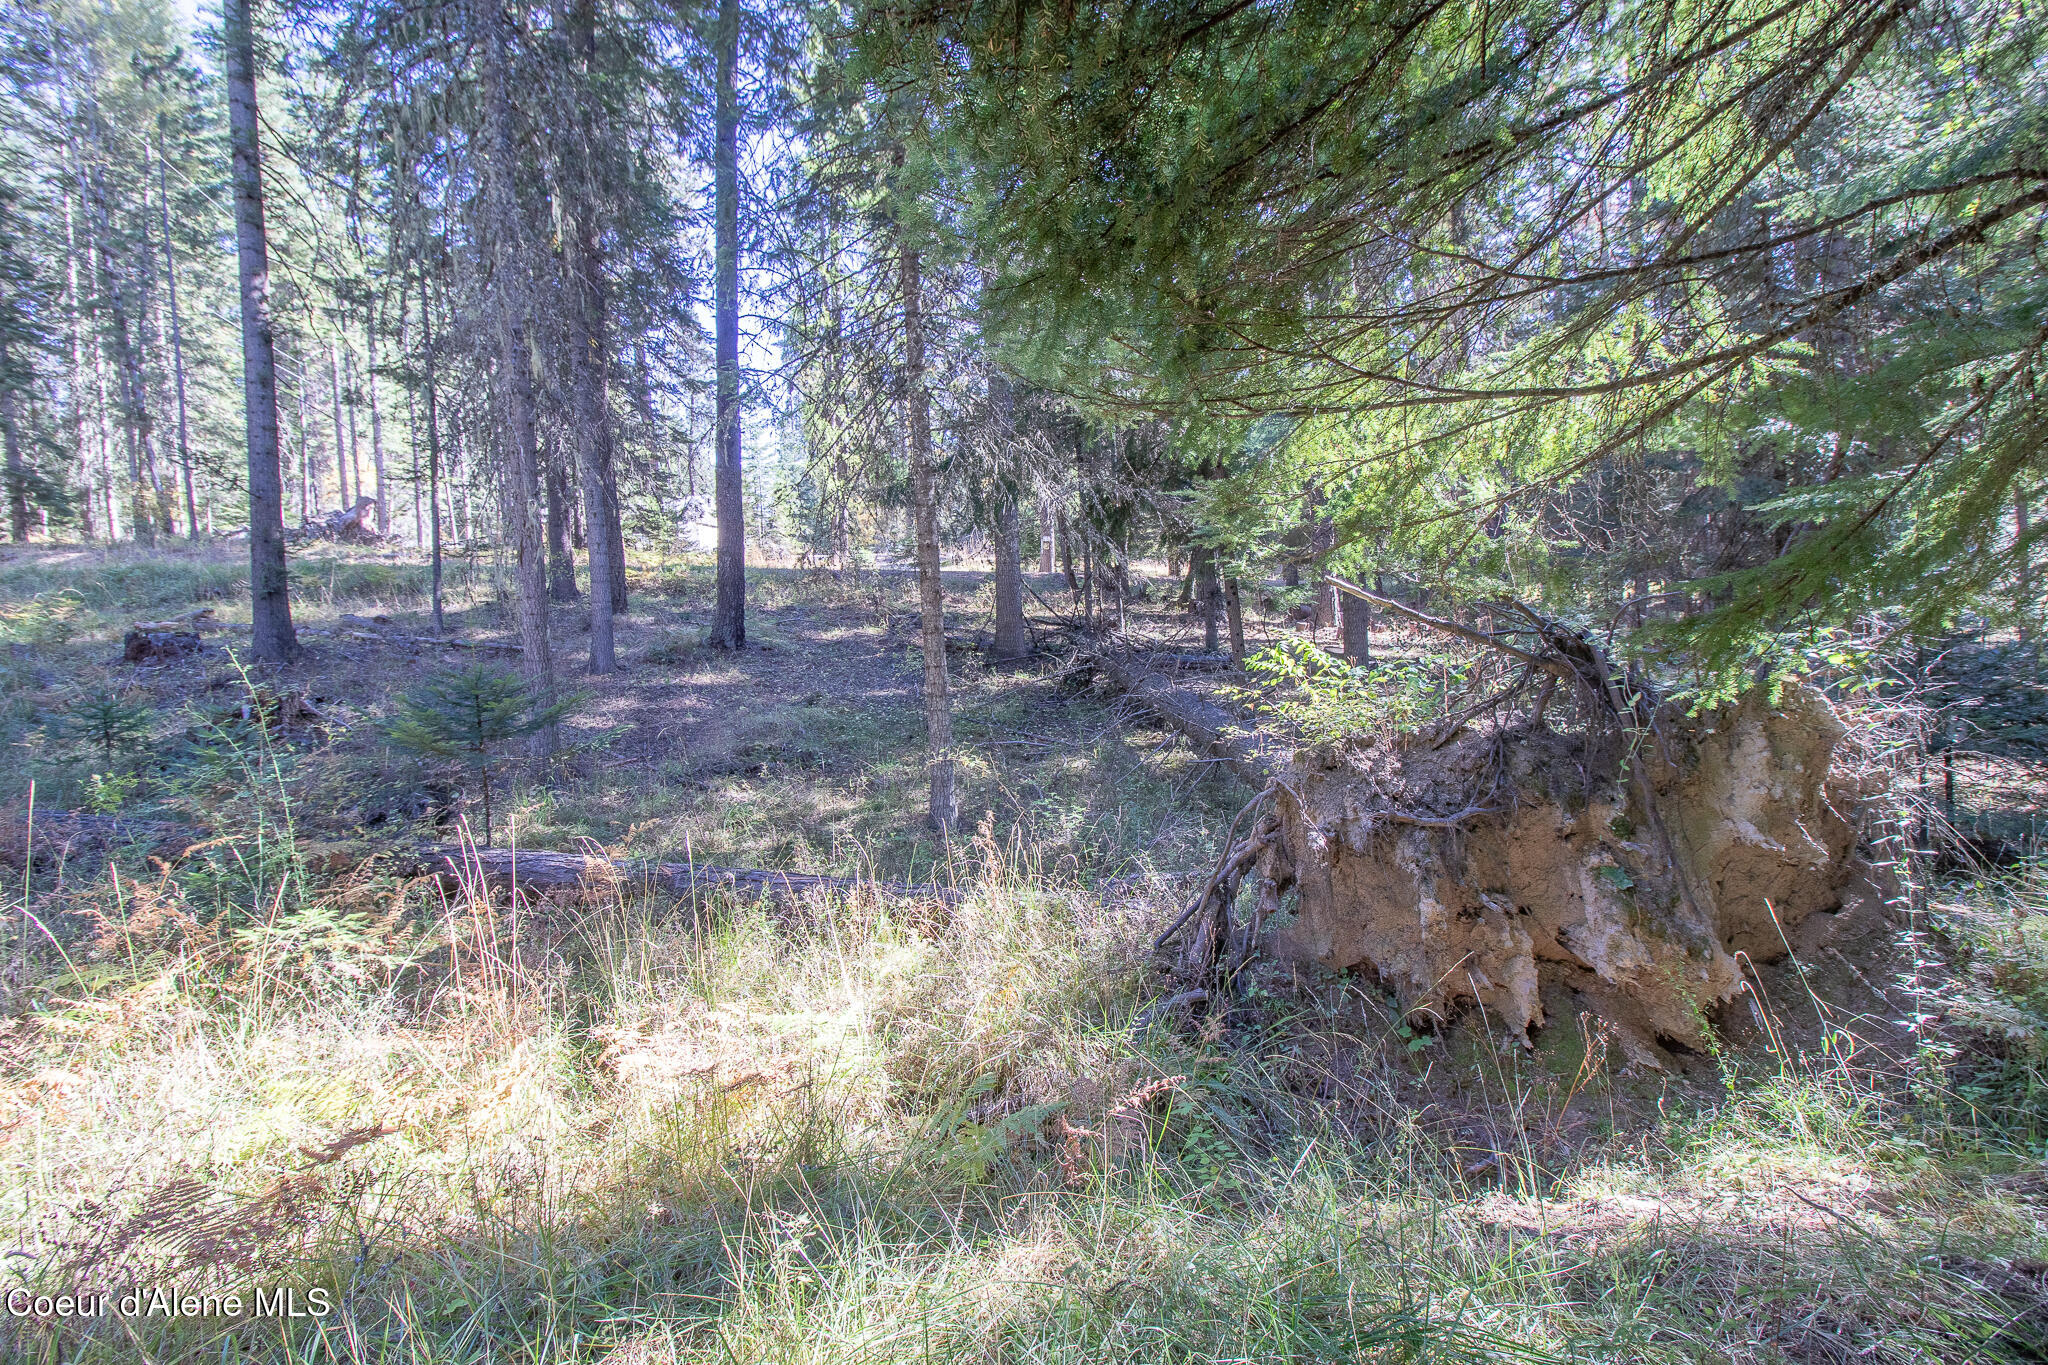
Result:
x=1489 y=870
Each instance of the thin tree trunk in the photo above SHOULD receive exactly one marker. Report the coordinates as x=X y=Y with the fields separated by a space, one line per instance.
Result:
x=149 y=331
x=2023 y=532
x=109 y=497
x=1208 y=594
x=340 y=449
x=561 y=566
x=593 y=416
x=1012 y=640
x=938 y=710
x=589 y=372
x=376 y=422
x=17 y=474
x=1066 y=547
x=412 y=445
x=433 y=453
x=1088 y=584
x=75 y=364
x=127 y=364
x=177 y=341
x=1233 y=606
x=521 y=455
x=305 y=433
x=274 y=639
x=728 y=621
x=355 y=462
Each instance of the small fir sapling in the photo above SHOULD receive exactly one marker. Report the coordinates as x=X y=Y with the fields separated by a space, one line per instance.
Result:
x=465 y=714
x=109 y=722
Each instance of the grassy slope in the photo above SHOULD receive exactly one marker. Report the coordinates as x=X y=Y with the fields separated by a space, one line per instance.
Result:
x=616 y=1131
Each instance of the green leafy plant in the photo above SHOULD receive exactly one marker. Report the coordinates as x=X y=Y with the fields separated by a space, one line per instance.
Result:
x=467 y=714
x=105 y=793
x=1302 y=687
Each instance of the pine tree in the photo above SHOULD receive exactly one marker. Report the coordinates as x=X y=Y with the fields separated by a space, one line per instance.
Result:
x=469 y=714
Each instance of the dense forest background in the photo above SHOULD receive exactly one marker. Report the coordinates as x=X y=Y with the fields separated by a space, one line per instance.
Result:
x=1713 y=321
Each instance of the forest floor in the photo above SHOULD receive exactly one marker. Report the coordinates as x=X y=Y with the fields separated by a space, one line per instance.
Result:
x=607 y=1129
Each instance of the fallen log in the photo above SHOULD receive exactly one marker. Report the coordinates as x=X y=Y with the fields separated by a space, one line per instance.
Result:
x=537 y=870
x=197 y=619
x=1213 y=730
x=489 y=646
x=1190 y=663
x=67 y=832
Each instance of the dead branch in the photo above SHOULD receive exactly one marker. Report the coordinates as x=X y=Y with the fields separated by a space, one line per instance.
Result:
x=1230 y=851
x=1465 y=633
x=1214 y=731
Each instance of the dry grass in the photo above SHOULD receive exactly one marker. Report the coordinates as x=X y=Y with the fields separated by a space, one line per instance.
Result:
x=608 y=1130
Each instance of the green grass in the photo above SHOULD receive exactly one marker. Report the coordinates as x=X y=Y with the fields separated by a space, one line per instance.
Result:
x=608 y=1130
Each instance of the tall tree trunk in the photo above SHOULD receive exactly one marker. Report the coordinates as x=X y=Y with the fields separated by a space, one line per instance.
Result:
x=1012 y=640
x=728 y=621
x=1088 y=583
x=270 y=602
x=589 y=373
x=177 y=341
x=561 y=566
x=110 y=500
x=938 y=709
x=340 y=449
x=508 y=252
x=412 y=445
x=127 y=363
x=304 y=428
x=75 y=364
x=433 y=451
x=593 y=416
x=149 y=330
x=1233 y=606
x=1066 y=536
x=1208 y=594
x=376 y=422
x=17 y=474
x=615 y=524
x=355 y=462
x=2022 y=534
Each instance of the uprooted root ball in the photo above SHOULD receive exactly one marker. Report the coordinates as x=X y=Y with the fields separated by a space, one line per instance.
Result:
x=1511 y=862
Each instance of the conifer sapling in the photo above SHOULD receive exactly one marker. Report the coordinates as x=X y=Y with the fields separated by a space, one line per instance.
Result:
x=466 y=713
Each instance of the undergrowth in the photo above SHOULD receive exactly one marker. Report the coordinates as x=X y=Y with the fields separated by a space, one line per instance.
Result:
x=606 y=1128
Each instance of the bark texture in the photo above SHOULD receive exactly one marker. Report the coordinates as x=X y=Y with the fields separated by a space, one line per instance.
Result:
x=270 y=602
x=728 y=620
x=515 y=375
x=938 y=710
x=177 y=345
x=1012 y=637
